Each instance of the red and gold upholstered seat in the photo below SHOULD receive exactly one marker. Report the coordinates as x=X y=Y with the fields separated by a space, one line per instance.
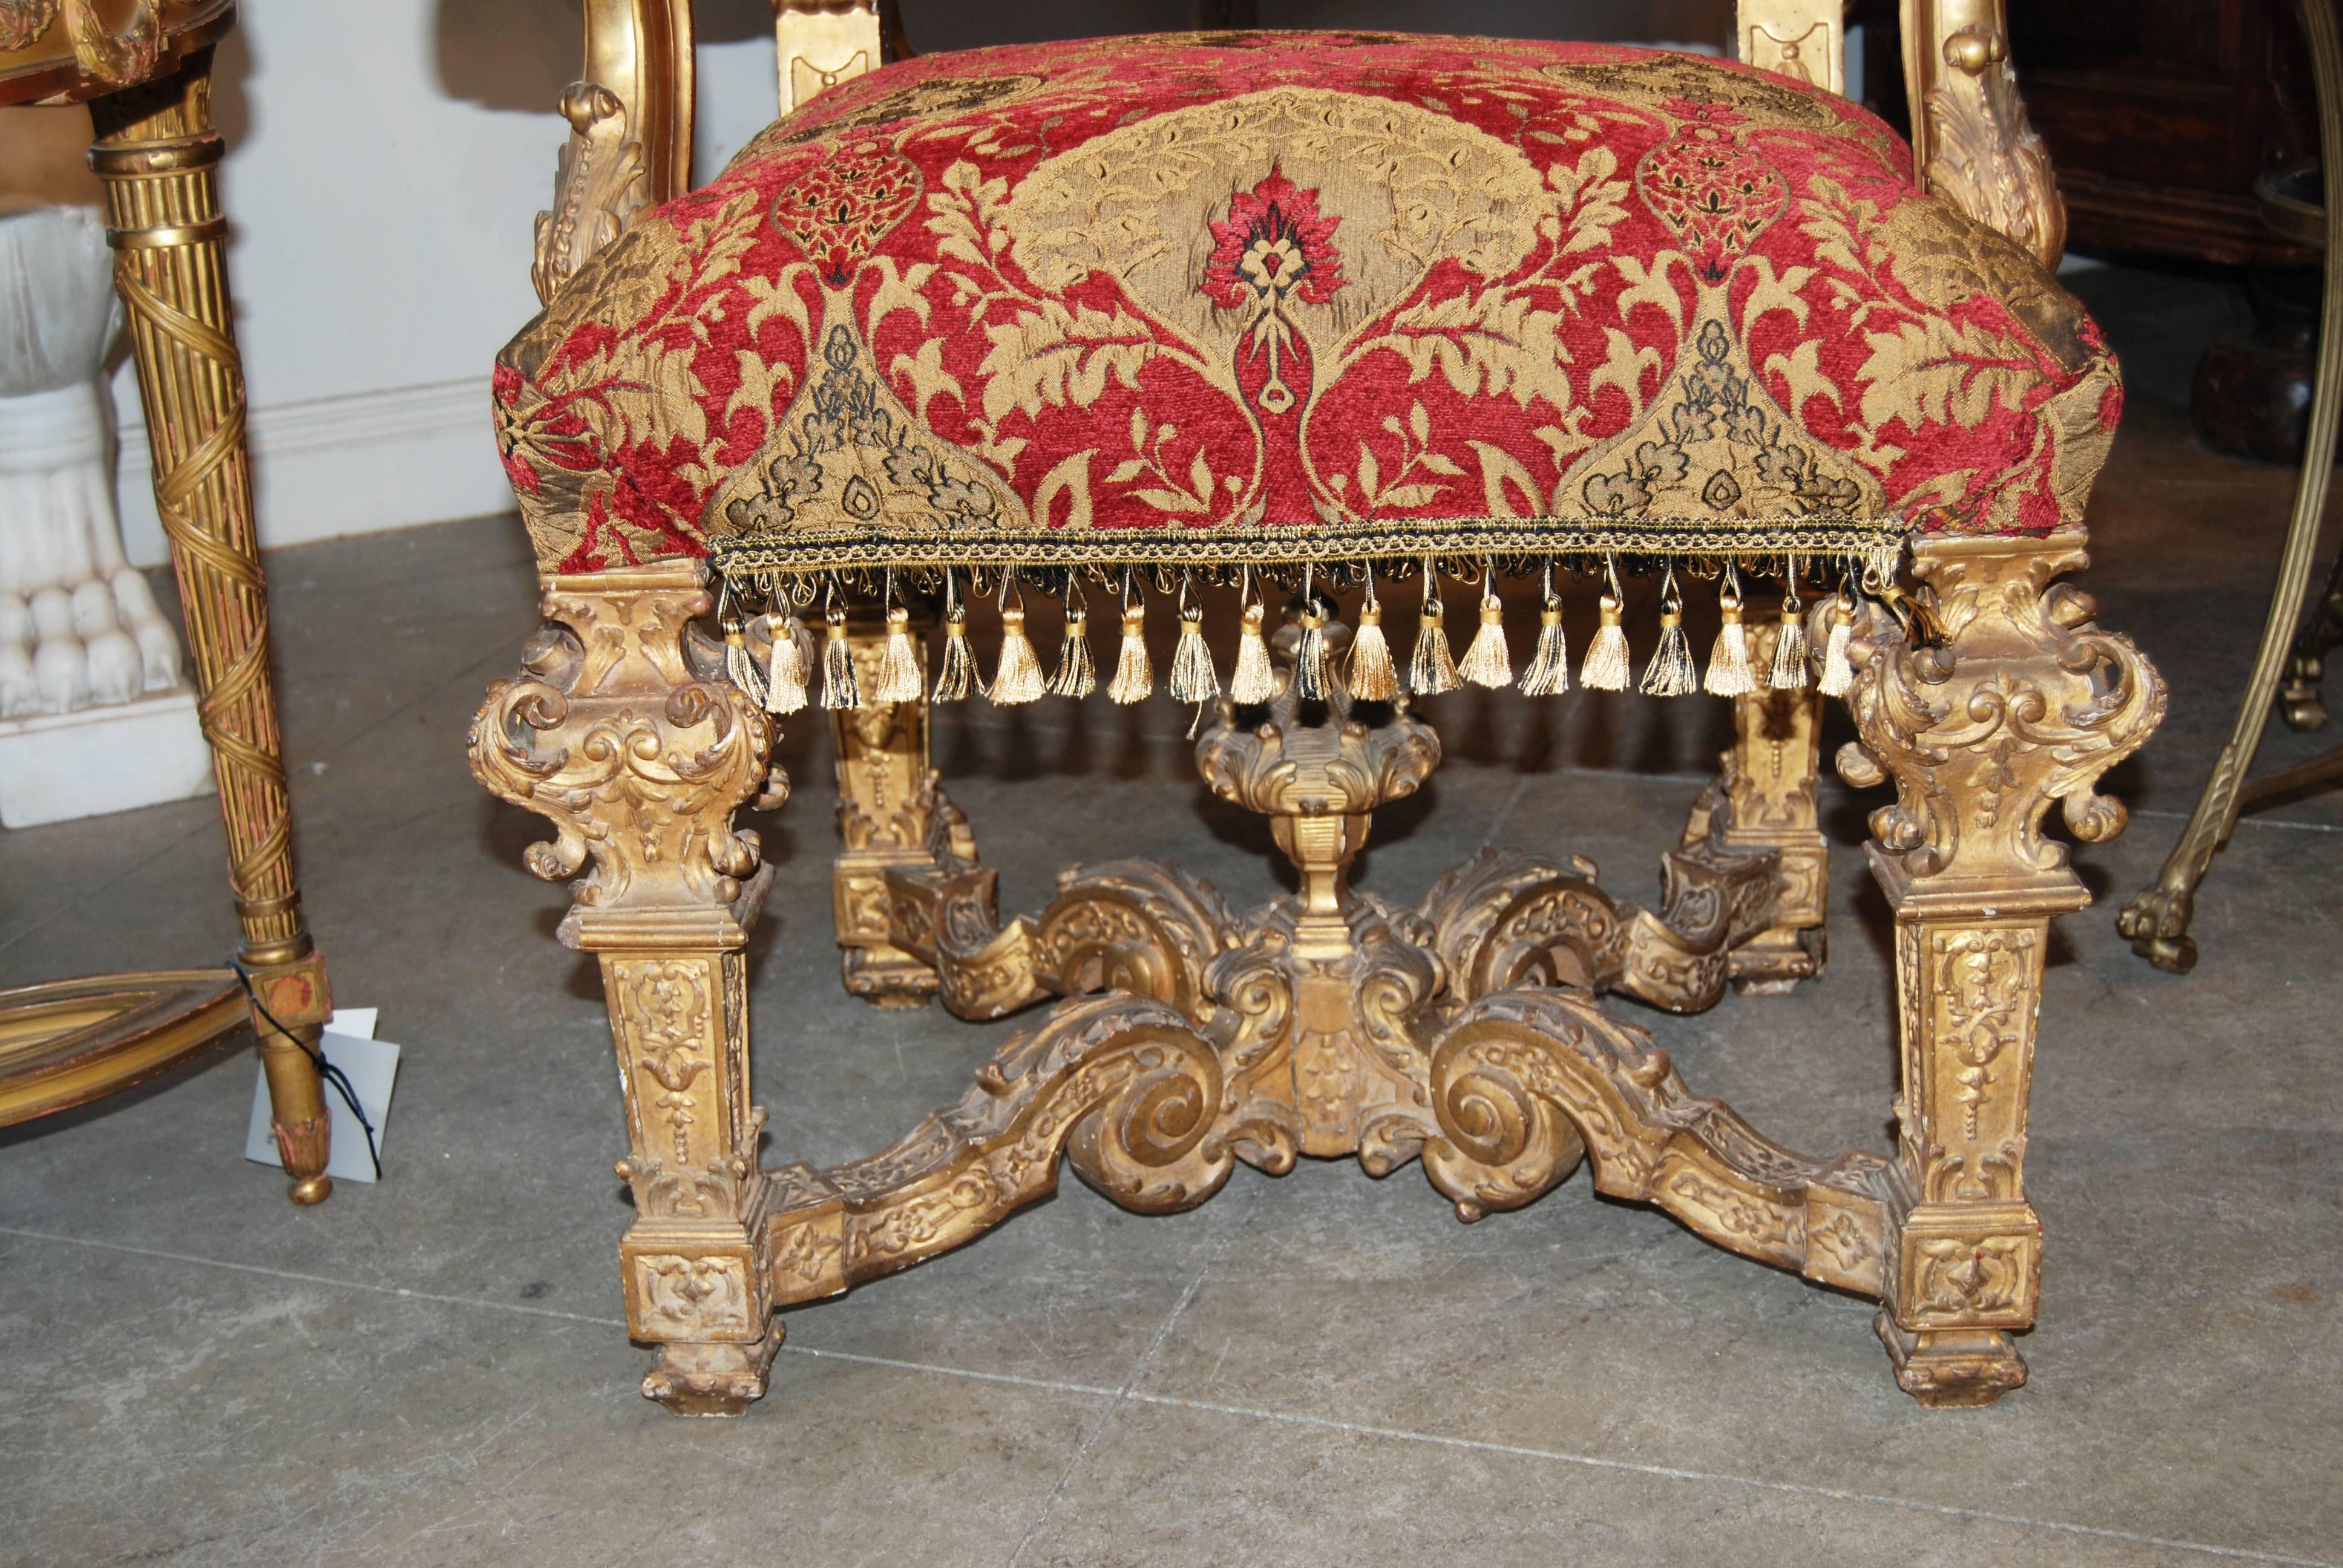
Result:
x=1273 y=298
x=1304 y=314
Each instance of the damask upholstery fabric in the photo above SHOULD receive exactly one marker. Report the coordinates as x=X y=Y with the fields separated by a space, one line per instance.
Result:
x=1281 y=296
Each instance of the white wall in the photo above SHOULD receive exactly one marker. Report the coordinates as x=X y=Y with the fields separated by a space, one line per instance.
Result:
x=385 y=162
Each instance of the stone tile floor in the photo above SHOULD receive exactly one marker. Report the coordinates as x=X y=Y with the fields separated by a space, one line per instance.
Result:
x=1321 y=1369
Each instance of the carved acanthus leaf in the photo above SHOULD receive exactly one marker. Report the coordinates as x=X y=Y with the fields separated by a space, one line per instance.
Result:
x=600 y=186
x=1986 y=159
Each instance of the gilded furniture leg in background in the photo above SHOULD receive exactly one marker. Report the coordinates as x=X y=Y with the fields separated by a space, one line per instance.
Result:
x=158 y=154
x=2306 y=667
x=2028 y=703
x=2157 y=918
x=1763 y=799
x=892 y=814
x=624 y=732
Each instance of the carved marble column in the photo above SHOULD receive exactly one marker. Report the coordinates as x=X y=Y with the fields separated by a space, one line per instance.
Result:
x=624 y=732
x=2026 y=702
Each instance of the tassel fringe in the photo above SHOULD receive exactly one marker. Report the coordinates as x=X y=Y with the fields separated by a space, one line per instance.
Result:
x=1193 y=678
x=1018 y=680
x=899 y=669
x=1549 y=671
x=789 y=665
x=1433 y=668
x=1134 y=673
x=739 y=667
x=1670 y=673
x=1312 y=679
x=1076 y=677
x=1607 y=665
x=1373 y=677
x=1838 y=671
x=840 y=689
x=1728 y=662
x=958 y=677
x=1789 y=671
x=1251 y=682
x=1488 y=662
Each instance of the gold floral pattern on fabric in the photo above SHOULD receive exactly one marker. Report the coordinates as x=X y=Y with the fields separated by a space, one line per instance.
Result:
x=1276 y=298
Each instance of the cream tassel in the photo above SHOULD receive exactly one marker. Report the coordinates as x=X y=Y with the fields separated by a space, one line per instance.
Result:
x=1075 y=677
x=958 y=676
x=1839 y=671
x=1789 y=672
x=1607 y=664
x=1193 y=678
x=1016 y=679
x=790 y=663
x=739 y=667
x=1728 y=662
x=1488 y=662
x=1134 y=674
x=1251 y=682
x=1549 y=671
x=899 y=669
x=1432 y=670
x=1670 y=672
x=1373 y=677
x=838 y=687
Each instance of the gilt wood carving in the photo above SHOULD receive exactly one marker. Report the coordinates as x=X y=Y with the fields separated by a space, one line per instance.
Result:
x=1181 y=1036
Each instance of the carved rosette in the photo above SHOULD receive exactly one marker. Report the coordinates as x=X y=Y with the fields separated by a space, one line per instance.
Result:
x=2026 y=703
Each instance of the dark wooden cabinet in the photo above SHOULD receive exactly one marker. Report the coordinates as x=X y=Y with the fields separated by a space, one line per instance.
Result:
x=2158 y=114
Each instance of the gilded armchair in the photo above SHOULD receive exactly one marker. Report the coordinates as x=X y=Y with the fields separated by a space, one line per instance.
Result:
x=1342 y=316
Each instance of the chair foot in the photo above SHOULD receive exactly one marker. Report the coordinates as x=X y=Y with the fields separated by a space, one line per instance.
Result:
x=712 y=1379
x=1951 y=1370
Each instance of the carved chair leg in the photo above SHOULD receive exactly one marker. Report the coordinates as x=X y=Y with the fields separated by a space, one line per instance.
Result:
x=2026 y=703
x=892 y=815
x=624 y=732
x=1763 y=799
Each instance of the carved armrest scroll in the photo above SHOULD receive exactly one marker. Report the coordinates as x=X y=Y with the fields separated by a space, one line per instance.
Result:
x=1971 y=144
x=630 y=142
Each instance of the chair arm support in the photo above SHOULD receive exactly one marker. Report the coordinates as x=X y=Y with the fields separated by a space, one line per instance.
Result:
x=630 y=144
x=1971 y=144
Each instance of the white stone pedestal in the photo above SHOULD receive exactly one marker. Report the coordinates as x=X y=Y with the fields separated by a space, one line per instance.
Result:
x=55 y=767
x=94 y=714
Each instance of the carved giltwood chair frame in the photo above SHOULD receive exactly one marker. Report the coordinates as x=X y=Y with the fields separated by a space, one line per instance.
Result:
x=1463 y=1033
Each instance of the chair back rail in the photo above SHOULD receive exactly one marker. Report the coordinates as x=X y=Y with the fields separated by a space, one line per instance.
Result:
x=630 y=114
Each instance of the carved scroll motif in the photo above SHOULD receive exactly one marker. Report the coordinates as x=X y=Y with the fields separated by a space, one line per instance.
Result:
x=2027 y=705
x=625 y=736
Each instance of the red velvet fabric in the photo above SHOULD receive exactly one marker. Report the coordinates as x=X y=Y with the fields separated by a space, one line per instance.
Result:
x=1273 y=297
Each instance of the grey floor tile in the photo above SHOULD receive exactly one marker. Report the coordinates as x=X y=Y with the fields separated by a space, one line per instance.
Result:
x=1212 y=1487
x=204 y=1416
